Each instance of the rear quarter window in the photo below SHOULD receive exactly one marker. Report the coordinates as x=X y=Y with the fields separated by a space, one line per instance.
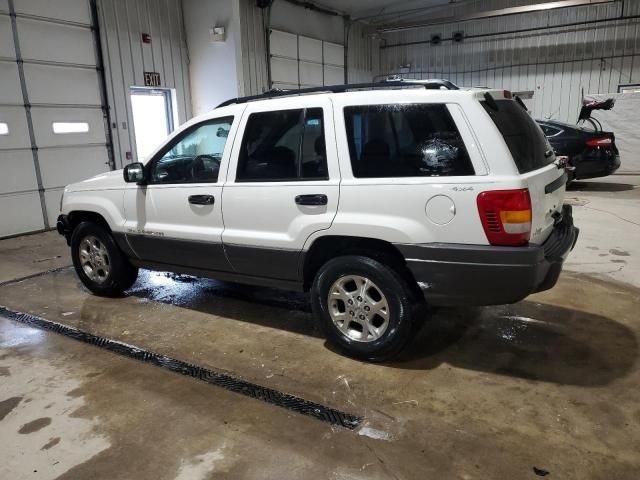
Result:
x=526 y=142
x=414 y=140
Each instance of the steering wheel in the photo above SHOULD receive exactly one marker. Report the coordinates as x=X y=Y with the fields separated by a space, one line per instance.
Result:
x=198 y=167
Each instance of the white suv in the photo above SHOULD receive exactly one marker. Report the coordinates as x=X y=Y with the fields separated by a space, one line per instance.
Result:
x=374 y=198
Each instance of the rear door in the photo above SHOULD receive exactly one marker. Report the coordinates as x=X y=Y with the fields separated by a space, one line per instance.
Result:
x=534 y=159
x=282 y=185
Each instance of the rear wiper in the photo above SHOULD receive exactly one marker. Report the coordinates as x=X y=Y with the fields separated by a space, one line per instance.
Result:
x=491 y=101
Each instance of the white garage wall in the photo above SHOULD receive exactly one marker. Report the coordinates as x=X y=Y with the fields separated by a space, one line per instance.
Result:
x=555 y=62
x=126 y=57
x=298 y=61
x=49 y=73
x=362 y=62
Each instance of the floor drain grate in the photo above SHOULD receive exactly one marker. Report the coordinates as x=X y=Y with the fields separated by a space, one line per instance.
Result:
x=226 y=381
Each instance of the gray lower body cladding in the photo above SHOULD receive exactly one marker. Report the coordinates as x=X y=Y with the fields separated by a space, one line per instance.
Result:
x=448 y=274
x=458 y=274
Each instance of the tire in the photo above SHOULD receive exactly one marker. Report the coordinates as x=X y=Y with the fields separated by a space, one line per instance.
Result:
x=389 y=335
x=98 y=261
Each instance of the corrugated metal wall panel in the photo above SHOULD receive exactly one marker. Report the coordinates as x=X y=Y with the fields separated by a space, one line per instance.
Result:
x=557 y=62
x=253 y=21
x=126 y=59
x=362 y=54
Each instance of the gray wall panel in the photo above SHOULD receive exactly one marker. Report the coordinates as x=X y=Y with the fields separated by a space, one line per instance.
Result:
x=126 y=57
x=23 y=175
x=62 y=85
x=61 y=166
x=7 y=49
x=41 y=40
x=10 y=92
x=30 y=218
x=67 y=10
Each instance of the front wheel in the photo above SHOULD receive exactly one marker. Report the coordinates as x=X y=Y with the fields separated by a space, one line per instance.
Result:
x=365 y=307
x=98 y=261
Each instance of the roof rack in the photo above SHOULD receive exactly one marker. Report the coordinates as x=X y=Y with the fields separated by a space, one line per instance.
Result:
x=435 y=84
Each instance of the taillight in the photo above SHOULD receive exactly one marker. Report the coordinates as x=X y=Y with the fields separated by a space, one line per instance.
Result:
x=506 y=216
x=599 y=142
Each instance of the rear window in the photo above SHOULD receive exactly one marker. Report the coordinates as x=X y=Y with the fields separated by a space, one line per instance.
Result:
x=522 y=135
x=405 y=141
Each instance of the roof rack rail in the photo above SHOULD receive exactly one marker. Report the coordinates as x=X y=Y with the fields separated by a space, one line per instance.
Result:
x=435 y=84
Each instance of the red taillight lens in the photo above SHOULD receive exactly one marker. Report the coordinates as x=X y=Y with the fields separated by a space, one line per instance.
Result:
x=506 y=216
x=599 y=142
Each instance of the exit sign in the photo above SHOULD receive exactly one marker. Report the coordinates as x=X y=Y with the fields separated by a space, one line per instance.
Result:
x=151 y=79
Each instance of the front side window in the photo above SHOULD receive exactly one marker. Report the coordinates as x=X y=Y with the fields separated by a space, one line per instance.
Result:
x=405 y=141
x=285 y=145
x=195 y=156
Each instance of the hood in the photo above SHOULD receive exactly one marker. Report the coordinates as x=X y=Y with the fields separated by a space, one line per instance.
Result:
x=103 y=181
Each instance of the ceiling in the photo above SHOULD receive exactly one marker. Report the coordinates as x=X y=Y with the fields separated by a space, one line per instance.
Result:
x=380 y=11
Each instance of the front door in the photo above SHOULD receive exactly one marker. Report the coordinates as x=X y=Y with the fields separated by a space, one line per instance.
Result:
x=177 y=219
x=152 y=118
x=282 y=185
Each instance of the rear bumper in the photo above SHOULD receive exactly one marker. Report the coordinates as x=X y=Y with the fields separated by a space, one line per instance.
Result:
x=596 y=166
x=457 y=274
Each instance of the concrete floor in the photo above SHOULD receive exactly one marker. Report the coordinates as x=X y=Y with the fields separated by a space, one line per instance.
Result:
x=552 y=382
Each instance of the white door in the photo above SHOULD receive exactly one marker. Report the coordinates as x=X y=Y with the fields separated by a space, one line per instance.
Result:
x=282 y=185
x=60 y=137
x=176 y=219
x=297 y=61
x=152 y=118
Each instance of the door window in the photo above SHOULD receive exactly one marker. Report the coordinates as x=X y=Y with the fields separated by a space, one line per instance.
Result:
x=195 y=156
x=285 y=145
x=405 y=141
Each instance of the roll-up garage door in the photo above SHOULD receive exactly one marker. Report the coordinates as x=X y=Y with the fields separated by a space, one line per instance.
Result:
x=52 y=115
x=298 y=61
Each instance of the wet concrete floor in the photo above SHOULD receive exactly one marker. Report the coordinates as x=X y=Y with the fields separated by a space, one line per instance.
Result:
x=551 y=384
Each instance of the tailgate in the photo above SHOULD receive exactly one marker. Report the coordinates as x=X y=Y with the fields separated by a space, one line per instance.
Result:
x=546 y=188
x=534 y=159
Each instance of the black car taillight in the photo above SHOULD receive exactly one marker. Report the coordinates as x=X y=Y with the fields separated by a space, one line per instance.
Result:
x=600 y=142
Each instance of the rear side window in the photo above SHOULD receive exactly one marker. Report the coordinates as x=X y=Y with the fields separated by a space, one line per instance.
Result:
x=285 y=145
x=526 y=142
x=405 y=141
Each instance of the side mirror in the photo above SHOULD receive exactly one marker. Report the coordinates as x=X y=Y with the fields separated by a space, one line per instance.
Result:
x=134 y=173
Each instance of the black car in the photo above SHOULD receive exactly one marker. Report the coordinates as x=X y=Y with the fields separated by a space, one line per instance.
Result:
x=591 y=153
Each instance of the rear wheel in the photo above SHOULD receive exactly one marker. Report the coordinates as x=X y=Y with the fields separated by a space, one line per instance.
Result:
x=98 y=261
x=365 y=307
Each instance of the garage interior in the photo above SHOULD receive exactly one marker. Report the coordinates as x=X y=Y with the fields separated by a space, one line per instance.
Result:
x=247 y=387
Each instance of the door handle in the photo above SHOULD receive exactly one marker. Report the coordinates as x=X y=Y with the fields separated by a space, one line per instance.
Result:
x=201 y=199
x=313 y=199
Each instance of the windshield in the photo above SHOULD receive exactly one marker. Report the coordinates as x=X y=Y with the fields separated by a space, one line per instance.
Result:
x=526 y=142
